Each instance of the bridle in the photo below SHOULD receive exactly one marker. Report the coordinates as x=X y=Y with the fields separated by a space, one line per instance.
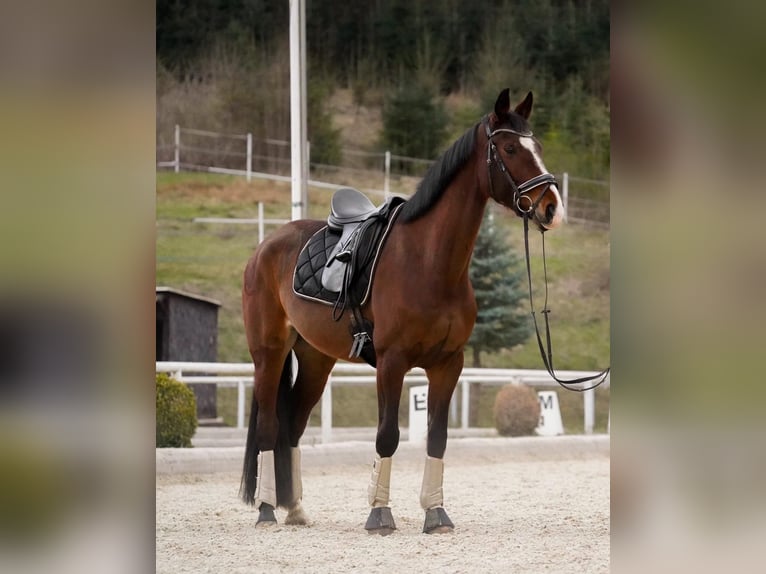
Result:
x=519 y=191
x=519 y=194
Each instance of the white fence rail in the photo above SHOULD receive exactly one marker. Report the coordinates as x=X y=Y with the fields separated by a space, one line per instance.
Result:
x=260 y=221
x=240 y=375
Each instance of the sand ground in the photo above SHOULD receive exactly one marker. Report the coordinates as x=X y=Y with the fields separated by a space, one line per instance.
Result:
x=522 y=516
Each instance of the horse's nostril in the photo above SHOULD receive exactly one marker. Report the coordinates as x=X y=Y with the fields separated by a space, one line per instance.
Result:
x=550 y=211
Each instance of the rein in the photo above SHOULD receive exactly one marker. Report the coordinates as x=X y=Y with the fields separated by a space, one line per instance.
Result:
x=546 y=351
x=519 y=194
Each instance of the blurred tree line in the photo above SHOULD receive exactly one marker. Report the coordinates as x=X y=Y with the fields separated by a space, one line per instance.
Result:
x=224 y=64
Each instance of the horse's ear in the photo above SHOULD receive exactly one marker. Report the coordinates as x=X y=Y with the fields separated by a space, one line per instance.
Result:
x=524 y=109
x=503 y=104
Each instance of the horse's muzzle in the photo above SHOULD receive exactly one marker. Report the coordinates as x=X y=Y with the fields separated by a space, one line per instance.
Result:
x=550 y=213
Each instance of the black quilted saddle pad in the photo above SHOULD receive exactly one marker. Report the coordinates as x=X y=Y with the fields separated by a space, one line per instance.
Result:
x=307 y=279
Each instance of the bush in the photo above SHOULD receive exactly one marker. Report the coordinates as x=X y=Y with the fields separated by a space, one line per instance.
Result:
x=517 y=411
x=176 y=413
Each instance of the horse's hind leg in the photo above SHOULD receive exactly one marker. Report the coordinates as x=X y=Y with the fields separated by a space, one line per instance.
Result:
x=263 y=453
x=313 y=370
x=441 y=384
x=267 y=454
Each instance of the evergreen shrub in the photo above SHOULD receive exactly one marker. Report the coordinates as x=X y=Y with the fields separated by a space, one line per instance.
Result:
x=176 y=413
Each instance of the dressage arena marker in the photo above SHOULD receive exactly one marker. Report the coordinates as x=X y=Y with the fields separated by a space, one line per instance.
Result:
x=550 y=414
x=418 y=413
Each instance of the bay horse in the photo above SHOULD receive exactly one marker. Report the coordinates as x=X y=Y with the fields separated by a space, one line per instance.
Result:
x=422 y=306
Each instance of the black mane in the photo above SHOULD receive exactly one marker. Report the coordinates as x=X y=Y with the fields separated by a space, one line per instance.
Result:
x=438 y=176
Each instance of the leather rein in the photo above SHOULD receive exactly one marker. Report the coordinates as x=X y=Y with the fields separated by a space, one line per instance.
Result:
x=519 y=194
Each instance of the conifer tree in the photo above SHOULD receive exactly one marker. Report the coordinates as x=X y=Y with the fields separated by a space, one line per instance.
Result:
x=414 y=121
x=497 y=276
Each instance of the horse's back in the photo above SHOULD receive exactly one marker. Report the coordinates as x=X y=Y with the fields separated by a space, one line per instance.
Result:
x=275 y=256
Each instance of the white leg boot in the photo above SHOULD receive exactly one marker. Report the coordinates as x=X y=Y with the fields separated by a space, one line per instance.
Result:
x=266 y=488
x=378 y=492
x=432 y=497
x=295 y=514
x=431 y=492
x=380 y=520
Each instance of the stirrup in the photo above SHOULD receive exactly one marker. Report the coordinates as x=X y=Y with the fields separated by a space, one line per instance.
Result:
x=360 y=339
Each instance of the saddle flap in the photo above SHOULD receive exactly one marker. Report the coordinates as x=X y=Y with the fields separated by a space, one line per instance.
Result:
x=335 y=269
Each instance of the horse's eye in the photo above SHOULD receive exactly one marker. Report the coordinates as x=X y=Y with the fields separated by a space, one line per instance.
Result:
x=509 y=149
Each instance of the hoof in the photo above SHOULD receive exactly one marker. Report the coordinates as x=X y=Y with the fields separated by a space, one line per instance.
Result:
x=380 y=521
x=437 y=521
x=266 y=516
x=296 y=516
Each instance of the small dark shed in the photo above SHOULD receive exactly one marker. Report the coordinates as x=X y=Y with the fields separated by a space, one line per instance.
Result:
x=187 y=330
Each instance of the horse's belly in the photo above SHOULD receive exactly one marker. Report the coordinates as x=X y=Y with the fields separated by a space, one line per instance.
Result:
x=314 y=323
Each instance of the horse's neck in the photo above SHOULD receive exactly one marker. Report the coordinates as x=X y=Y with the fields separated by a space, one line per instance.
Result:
x=449 y=229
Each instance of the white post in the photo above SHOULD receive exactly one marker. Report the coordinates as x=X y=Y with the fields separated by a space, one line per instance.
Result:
x=261 y=232
x=249 y=166
x=589 y=409
x=240 y=404
x=327 y=412
x=177 y=157
x=387 y=176
x=306 y=186
x=298 y=105
x=565 y=193
x=465 y=388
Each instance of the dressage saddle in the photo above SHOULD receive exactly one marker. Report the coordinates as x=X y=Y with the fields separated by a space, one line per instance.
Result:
x=348 y=210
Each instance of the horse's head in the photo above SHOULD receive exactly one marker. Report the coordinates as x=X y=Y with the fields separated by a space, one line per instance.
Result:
x=517 y=176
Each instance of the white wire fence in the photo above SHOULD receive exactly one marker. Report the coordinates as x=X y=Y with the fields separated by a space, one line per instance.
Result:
x=376 y=173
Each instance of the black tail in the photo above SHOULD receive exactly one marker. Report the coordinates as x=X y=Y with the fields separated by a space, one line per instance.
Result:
x=282 y=460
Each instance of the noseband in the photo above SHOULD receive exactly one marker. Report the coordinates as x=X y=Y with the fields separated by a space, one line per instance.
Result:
x=519 y=191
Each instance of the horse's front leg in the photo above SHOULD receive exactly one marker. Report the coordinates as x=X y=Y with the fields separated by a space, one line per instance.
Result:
x=390 y=377
x=441 y=384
